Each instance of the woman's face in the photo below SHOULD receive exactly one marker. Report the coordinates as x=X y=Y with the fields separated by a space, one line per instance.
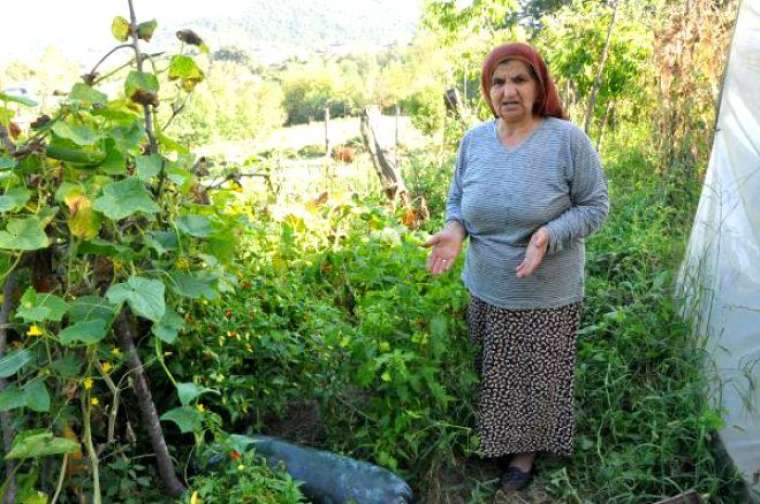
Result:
x=513 y=91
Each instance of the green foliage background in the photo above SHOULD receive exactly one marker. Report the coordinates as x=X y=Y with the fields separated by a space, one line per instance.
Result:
x=261 y=311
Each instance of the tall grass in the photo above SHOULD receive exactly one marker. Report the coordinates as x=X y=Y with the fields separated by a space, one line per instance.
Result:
x=343 y=341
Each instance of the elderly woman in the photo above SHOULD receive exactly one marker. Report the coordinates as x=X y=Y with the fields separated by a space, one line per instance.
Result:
x=527 y=189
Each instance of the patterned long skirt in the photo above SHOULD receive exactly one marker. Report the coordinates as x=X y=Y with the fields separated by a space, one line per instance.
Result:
x=526 y=363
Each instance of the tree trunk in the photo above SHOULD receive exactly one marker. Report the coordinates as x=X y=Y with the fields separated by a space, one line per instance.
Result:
x=125 y=332
x=600 y=71
x=390 y=176
x=607 y=113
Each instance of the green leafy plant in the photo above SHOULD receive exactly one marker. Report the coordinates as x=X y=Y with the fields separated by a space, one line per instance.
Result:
x=108 y=233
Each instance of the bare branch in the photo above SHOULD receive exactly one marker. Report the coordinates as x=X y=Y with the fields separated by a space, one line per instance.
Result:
x=147 y=109
x=5 y=138
x=118 y=47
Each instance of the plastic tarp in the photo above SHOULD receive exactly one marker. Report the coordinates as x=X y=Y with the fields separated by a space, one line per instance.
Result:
x=720 y=276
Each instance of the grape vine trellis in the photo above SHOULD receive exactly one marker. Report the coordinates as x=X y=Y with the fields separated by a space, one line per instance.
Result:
x=108 y=234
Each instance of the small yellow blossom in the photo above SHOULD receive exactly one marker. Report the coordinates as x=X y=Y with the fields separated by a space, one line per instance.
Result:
x=87 y=383
x=200 y=407
x=34 y=330
x=94 y=401
x=106 y=367
x=241 y=467
x=115 y=351
x=194 y=499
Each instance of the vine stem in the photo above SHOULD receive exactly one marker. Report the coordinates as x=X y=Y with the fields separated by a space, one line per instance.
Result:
x=5 y=138
x=139 y=61
x=6 y=418
x=61 y=478
x=118 y=47
x=91 y=454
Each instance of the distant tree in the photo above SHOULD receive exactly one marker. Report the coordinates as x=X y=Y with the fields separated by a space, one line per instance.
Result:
x=231 y=53
x=232 y=104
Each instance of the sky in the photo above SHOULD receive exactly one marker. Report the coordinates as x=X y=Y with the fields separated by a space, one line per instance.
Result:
x=27 y=27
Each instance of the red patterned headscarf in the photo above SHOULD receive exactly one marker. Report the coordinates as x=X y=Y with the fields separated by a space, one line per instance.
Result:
x=547 y=104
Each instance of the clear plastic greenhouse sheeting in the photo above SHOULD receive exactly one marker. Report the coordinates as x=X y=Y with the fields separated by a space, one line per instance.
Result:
x=720 y=276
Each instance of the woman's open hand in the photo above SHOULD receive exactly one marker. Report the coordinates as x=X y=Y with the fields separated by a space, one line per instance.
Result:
x=446 y=245
x=535 y=253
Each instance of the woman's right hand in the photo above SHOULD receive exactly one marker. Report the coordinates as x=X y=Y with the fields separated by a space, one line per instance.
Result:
x=446 y=245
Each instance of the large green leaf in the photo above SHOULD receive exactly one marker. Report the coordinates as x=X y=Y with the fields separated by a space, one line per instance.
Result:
x=184 y=68
x=38 y=307
x=148 y=167
x=195 y=225
x=87 y=95
x=68 y=366
x=12 y=398
x=179 y=175
x=24 y=234
x=187 y=392
x=169 y=144
x=77 y=133
x=145 y=30
x=185 y=417
x=7 y=162
x=106 y=248
x=171 y=323
x=40 y=443
x=115 y=162
x=195 y=285
x=128 y=137
x=120 y=29
x=91 y=308
x=162 y=241
x=88 y=332
x=14 y=198
x=124 y=198
x=140 y=82
x=36 y=396
x=13 y=362
x=22 y=100
x=144 y=296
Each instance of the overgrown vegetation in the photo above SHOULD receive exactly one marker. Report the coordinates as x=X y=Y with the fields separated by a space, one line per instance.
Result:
x=127 y=270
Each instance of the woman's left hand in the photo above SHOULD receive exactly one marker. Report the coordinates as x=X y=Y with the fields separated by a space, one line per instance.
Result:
x=534 y=254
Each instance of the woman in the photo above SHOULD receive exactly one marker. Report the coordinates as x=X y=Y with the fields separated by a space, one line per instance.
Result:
x=527 y=188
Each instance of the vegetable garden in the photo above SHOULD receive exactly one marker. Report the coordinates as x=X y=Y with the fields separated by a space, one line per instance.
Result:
x=149 y=312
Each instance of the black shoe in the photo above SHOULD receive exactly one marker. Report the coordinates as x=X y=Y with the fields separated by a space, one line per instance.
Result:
x=515 y=479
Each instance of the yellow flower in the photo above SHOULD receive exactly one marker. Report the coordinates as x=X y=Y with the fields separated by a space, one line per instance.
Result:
x=94 y=401
x=115 y=351
x=106 y=367
x=201 y=408
x=87 y=383
x=241 y=467
x=34 y=330
x=194 y=499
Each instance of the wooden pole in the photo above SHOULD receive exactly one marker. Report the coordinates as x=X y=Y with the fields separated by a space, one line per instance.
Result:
x=327 y=131
x=398 y=114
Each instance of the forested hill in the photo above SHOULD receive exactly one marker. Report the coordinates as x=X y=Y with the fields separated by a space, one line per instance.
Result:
x=272 y=31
